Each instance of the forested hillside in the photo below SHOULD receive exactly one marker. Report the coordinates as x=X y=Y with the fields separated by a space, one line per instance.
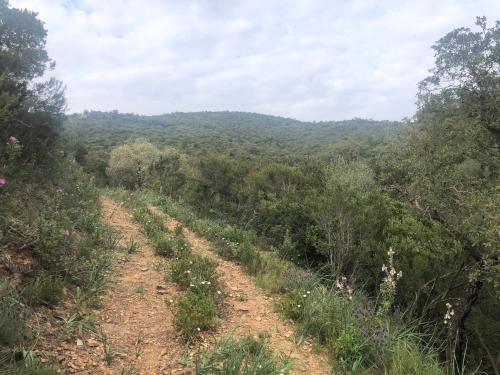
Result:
x=249 y=135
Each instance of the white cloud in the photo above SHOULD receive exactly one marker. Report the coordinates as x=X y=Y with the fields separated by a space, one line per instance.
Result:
x=308 y=59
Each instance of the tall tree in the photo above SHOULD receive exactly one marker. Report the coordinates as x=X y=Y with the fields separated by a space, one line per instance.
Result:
x=30 y=109
x=466 y=77
x=455 y=160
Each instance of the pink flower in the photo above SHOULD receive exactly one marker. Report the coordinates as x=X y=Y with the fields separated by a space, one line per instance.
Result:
x=12 y=138
x=60 y=190
x=3 y=181
x=66 y=232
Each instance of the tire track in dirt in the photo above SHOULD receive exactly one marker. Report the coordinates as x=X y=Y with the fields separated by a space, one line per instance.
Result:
x=254 y=313
x=134 y=316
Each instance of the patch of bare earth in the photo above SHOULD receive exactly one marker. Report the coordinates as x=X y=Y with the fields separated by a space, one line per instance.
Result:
x=250 y=311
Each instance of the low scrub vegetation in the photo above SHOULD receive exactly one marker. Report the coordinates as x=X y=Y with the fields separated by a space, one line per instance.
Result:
x=201 y=307
x=360 y=334
x=243 y=356
x=193 y=270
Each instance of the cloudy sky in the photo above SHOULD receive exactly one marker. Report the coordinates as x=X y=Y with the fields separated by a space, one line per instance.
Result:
x=306 y=59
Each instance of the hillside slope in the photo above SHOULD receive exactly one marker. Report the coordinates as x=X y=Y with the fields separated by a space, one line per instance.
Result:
x=232 y=132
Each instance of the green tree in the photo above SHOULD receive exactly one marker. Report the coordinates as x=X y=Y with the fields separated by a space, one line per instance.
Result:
x=454 y=163
x=129 y=164
x=167 y=172
x=466 y=77
x=30 y=109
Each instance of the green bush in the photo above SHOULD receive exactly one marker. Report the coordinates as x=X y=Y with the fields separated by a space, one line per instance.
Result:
x=244 y=356
x=196 y=312
x=193 y=270
x=44 y=290
x=250 y=258
x=164 y=246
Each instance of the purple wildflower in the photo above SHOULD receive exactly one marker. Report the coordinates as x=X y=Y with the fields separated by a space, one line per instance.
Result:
x=66 y=232
x=3 y=181
x=12 y=138
x=60 y=190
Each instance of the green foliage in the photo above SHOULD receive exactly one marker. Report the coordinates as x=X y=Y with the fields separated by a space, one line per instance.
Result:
x=239 y=134
x=196 y=311
x=164 y=246
x=408 y=360
x=49 y=210
x=244 y=356
x=129 y=164
x=44 y=290
x=13 y=328
x=193 y=270
x=250 y=258
x=352 y=346
x=30 y=367
x=182 y=247
x=30 y=109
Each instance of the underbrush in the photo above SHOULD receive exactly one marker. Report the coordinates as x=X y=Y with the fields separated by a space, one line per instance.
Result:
x=360 y=336
x=243 y=356
x=43 y=290
x=52 y=235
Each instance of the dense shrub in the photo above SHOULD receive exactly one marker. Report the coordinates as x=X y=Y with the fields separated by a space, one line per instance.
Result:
x=195 y=312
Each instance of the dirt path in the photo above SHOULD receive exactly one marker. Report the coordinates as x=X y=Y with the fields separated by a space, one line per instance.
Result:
x=134 y=316
x=250 y=311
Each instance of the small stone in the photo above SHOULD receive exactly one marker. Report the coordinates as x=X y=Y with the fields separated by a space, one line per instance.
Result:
x=92 y=343
x=79 y=342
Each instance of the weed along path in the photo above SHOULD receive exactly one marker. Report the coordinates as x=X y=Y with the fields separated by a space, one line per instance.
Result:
x=138 y=325
x=250 y=310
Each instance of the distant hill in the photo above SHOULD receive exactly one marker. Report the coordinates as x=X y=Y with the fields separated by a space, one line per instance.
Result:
x=228 y=132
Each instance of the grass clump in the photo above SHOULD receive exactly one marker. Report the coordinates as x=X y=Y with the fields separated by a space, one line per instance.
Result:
x=193 y=270
x=196 y=311
x=244 y=356
x=13 y=328
x=164 y=246
x=48 y=290
x=407 y=359
x=182 y=247
x=34 y=368
x=132 y=247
